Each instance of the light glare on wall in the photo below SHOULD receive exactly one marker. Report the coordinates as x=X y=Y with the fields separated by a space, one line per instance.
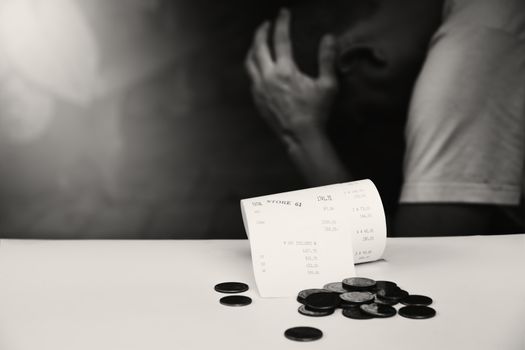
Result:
x=50 y=44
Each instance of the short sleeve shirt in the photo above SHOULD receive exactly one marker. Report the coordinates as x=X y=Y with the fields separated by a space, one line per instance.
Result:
x=466 y=126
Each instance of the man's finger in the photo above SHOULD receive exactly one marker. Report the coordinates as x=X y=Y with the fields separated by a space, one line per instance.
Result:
x=252 y=69
x=261 y=51
x=327 y=57
x=282 y=41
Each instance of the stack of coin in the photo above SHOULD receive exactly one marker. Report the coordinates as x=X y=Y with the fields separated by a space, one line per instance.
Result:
x=364 y=298
x=350 y=299
x=359 y=284
x=320 y=304
x=233 y=288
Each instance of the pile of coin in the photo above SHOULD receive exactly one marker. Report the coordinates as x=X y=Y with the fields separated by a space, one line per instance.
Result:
x=363 y=298
x=359 y=298
x=233 y=288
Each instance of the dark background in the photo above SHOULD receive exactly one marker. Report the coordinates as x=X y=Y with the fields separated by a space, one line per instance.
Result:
x=171 y=141
x=171 y=148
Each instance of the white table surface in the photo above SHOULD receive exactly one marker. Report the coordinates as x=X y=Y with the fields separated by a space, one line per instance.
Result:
x=159 y=295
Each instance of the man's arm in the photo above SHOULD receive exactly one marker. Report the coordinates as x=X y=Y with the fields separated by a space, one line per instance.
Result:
x=295 y=105
x=465 y=131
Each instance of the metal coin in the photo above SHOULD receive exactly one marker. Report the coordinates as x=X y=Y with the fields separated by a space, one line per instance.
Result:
x=378 y=300
x=397 y=294
x=357 y=298
x=305 y=293
x=236 y=300
x=231 y=287
x=385 y=285
x=356 y=313
x=304 y=311
x=322 y=301
x=303 y=334
x=378 y=310
x=417 y=300
x=336 y=287
x=417 y=312
x=359 y=284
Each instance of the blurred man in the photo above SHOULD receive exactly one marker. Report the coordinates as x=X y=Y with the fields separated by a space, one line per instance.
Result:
x=465 y=142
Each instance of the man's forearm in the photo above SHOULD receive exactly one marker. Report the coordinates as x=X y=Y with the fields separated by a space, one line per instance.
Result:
x=314 y=155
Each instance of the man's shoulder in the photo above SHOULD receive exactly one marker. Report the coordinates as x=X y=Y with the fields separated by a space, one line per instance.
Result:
x=501 y=15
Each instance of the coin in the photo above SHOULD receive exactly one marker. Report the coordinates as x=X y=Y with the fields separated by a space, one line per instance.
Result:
x=357 y=298
x=305 y=293
x=303 y=334
x=304 y=311
x=231 y=287
x=385 y=285
x=359 y=284
x=356 y=313
x=378 y=300
x=417 y=300
x=396 y=294
x=417 y=312
x=236 y=300
x=322 y=301
x=336 y=287
x=378 y=310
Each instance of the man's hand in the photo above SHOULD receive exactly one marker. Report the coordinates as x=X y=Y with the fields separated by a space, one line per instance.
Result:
x=296 y=105
x=293 y=103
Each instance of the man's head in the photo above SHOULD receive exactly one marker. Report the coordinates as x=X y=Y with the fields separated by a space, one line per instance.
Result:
x=381 y=47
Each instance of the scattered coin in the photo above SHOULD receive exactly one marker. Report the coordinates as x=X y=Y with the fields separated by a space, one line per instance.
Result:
x=356 y=313
x=322 y=301
x=356 y=298
x=378 y=310
x=417 y=300
x=304 y=311
x=231 y=287
x=396 y=294
x=301 y=297
x=361 y=299
x=236 y=300
x=359 y=284
x=303 y=334
x=336 y=287
x=417 y=312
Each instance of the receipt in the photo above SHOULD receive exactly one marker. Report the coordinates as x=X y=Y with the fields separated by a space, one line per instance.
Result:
x=305 y=239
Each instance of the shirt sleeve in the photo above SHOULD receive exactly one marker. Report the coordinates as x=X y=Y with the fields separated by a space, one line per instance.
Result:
x=466 y=127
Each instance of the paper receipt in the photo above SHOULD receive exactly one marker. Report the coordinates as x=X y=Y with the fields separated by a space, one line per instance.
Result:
x=305 y=239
